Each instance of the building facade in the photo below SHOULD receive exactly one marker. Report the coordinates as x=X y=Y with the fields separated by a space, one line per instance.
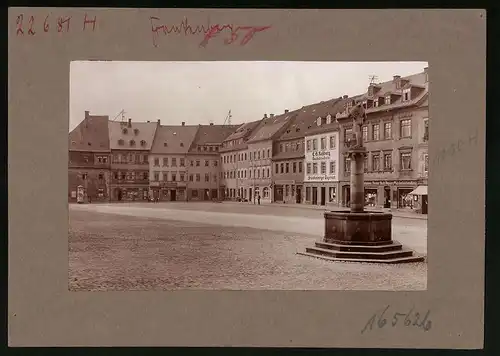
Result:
x=169 y=164
x=397 y=117
x=89 y=160
x=235 y=163
x=204 y=169
x=259 y=184
x=130 y=144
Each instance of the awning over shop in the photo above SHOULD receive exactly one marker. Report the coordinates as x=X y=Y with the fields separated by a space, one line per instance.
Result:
x=420 y=190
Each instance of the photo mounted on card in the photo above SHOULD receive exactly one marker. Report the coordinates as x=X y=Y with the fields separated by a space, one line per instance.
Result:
x=224 y=162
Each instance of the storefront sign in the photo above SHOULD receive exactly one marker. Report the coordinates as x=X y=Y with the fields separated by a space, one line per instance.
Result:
x=321 y=178
x=320 y=155
x=390 y=182
x=284 y=182
x=154 y=184
x=168 y=185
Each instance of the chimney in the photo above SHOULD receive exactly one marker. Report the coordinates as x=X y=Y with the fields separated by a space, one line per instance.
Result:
x=158 y=121
x=211 y=124
x=129 y=122
x=286 y=111
x=265 y=116
x=345 y=97
x=87 y=113
x=149 y=121
x=396 y=78
x=271 y=115
x=183 y=123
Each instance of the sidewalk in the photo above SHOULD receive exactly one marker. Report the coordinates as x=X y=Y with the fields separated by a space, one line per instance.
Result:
x=395 y=212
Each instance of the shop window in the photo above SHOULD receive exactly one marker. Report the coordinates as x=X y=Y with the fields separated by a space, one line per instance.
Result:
x=308 y=193
x=332 y=194
x=194 y=193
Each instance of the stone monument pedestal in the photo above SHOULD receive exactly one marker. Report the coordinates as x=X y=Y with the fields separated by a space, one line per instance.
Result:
x=358 y=235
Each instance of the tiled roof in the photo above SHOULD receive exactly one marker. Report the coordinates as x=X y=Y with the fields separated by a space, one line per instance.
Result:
x=243 y=130
x=288 y=155
x=337 y=106
x=307 y=116
x=90 y=135
x=173 y=139
x=270 y=126
x=213 y=134
x=137 y=137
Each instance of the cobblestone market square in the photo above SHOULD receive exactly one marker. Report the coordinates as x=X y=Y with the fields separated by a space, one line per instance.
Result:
x=170 y=246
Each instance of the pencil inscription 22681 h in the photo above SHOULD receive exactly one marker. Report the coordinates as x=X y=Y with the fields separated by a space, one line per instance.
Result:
x=410 y=318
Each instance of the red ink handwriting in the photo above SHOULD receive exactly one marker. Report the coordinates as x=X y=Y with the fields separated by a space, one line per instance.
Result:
x=62 y=24
x=46 y=24
x=61 y=21
x=209 y=31
x=86 y=21
x=19 y=23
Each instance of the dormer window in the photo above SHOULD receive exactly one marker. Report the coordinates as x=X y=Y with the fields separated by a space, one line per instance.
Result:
x=136 y=131
x=375 y=103
x=328 y=119
x=121 y=142
x=125 y=131
x=387 y=99
x=182 y=144
x=165 y=144
x=318 y=121
x=132 y=143
x=143 y=143
x=406 y=94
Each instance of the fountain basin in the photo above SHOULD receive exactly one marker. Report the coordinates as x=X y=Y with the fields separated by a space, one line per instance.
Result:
x=363 y=228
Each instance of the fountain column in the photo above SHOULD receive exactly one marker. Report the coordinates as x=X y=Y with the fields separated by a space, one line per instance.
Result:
x=357 y=157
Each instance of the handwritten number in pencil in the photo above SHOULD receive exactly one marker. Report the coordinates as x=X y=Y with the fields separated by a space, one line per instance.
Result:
x=19 y=23
x=31 y=22
x=61 y=21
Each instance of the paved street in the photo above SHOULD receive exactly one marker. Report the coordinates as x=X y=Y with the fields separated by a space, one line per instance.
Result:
x=158 y=246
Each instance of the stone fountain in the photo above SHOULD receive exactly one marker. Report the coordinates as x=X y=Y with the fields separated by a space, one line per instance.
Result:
x=358 y=235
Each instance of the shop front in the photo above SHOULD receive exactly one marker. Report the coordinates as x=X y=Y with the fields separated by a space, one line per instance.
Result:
x=286 y=191
x=395 y=194
x=130 y=193
x=420 y=199
x=321 y=193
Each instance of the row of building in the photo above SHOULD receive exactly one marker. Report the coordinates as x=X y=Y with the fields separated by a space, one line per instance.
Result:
x=295 y=157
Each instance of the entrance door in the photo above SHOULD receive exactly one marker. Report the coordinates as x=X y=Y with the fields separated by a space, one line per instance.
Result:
x=424 y=204
x=206 y=195
x=214 y=193
x=323 y=195
x=387 y=197
x=298 y=196
x=172 y=195
x=250 y=194
x=119 y=194
x=315 y=196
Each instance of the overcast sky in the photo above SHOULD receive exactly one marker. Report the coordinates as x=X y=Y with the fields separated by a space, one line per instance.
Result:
x=204 y=92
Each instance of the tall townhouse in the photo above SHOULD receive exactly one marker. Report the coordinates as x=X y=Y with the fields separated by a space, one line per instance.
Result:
x=322 y=154
x=260 y=153
x=235 y=163
x=168 y=163
x=130 y=144
x=288 y=156
x=89 y=159
x=204 y=169
x=395 y=135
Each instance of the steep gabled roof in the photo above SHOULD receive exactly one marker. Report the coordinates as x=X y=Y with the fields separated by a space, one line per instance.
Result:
x=231 y=143
x=307 y=116
x=90 y=135
x=337 y=106
x=212 y=134
x=270 y=126
x=131 y=135
x=173 y=139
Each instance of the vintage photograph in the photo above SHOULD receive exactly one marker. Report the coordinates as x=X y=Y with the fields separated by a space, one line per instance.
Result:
x=248 y=175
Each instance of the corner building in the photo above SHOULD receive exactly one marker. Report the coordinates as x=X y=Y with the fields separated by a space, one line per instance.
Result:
x=89 y=159
x=321 y=175
x=396 y=136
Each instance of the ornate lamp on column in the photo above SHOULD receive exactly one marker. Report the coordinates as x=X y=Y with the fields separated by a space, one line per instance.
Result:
x=357 y=235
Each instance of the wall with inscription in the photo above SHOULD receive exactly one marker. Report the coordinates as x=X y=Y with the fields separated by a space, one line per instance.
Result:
x=321 y=162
